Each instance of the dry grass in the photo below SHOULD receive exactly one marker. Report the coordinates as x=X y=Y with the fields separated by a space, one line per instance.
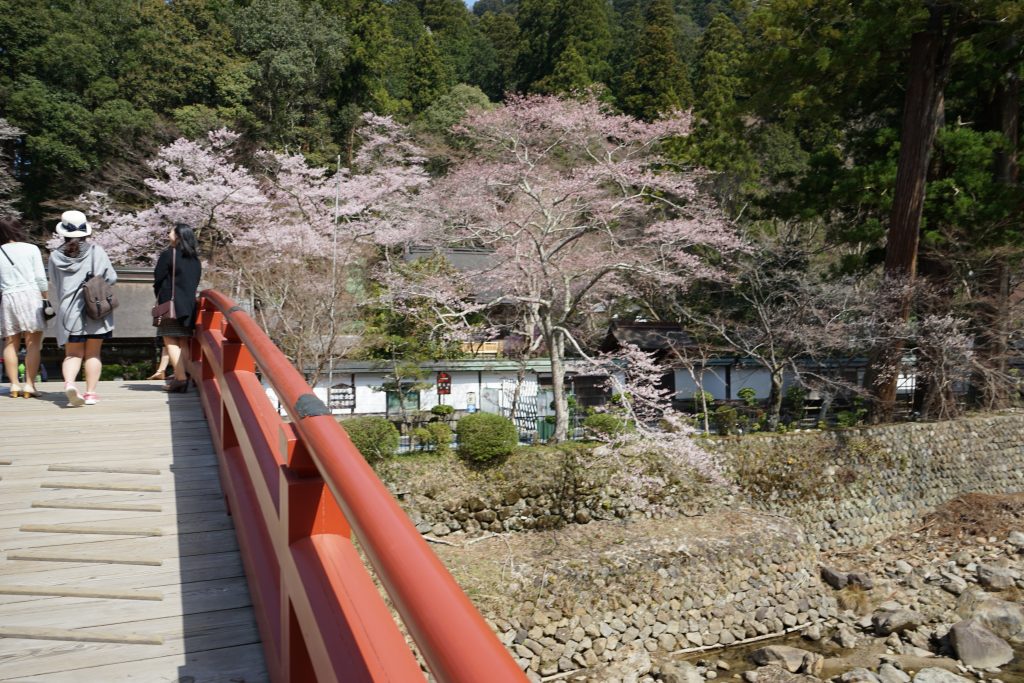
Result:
x=856 y=599
x=977 y=514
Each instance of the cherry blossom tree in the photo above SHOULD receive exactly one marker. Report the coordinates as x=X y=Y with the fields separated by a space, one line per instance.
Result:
x=574 y=208
x=273 y=231
x=9 y=190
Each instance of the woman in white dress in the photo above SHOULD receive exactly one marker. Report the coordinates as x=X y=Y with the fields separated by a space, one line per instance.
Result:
x=23 y=286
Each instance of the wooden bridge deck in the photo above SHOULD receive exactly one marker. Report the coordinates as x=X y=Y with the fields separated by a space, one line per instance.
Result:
x=118 y=561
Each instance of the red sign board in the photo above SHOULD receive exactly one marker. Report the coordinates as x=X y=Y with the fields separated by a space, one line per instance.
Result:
x=444 y=383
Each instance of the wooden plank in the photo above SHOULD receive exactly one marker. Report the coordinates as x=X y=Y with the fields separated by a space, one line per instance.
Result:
x=76 y=636
x=104 y=531
x=80 y=588
x=75 y=505
x=79 y=593
x=109 y=470
x=96 y=559
x=102 y=487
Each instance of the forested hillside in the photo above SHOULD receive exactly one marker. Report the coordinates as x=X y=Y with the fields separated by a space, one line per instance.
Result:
x=878 y=138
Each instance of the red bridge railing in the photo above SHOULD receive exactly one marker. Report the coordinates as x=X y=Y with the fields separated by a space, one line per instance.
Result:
x=298 y=490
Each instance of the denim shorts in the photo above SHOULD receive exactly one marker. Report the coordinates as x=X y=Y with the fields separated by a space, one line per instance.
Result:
x=79 y=338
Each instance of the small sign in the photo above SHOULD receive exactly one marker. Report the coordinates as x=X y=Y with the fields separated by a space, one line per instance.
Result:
x=444 y=384
x=342 y=396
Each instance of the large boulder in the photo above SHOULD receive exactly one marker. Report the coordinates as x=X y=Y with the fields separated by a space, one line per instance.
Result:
x=937 y=675
x=834 y=577
x=1003 y=618
x=977 y=646
x=774 y=673
x=629 y=669
x=997 y=578
x=859 y=675
x=895 y=621
x=792 y=659
x=680 y=672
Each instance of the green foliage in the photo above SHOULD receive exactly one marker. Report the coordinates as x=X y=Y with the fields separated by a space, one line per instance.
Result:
x=748 y=395
x=850 y=418
x=725 y=420
x=442 y=410
x=485 y=438
x=656 y=81
x=440 y=438
x=794 y=402
x=605 y=425
x=375 y=437
x=126 y=372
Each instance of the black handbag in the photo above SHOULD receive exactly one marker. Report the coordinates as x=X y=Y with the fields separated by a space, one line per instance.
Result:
x=164 y=312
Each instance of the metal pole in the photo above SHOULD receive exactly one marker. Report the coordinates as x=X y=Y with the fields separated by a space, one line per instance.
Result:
x=334 y=281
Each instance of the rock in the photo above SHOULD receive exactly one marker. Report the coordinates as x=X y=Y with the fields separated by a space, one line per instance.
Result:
x=813 y=632
x=845 y=637
x=1016 y=539
x=977 y=646
x=954 y=584
x=680 y=672
x=1003 y=618
x=887 y=673
x=936 y=675
x=440 y=529
x=774 y=673
x=792 y=659
x=834 y=578
x=903 y=567
x=862 y=580
x=859 y=676
x=630 y=668
x=886 y=622
x=998 y=578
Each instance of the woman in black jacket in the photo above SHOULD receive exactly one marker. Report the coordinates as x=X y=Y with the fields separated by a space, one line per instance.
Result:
x=176 y=276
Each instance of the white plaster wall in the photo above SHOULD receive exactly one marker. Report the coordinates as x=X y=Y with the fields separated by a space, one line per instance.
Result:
x=713 y=379
x=758 y=379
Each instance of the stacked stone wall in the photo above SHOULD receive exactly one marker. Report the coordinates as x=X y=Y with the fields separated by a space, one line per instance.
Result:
x=715 y=567
x=924 y=465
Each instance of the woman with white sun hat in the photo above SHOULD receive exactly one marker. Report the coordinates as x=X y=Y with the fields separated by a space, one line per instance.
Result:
x=81 y=336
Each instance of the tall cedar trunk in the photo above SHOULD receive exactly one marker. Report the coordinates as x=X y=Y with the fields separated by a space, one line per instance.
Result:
x=994 y=339
x=930 y=55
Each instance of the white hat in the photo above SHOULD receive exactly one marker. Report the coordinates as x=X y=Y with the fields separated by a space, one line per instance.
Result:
x=73 y=224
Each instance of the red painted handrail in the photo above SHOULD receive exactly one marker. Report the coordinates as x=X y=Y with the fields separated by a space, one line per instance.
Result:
x=297 y=491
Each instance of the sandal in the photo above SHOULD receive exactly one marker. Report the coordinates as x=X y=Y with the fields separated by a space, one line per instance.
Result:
x=29 y=392
x=178 y=386
x=74 y=398
x=15 y=391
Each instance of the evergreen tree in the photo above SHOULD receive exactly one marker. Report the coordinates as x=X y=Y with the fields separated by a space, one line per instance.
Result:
x=431 y=76
x=571 y=74
x=502 y=33
x=656 y=82
x=719 y=140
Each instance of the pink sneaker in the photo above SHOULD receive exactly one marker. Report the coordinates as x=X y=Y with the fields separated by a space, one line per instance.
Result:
x=91 y=399
x=71 y=391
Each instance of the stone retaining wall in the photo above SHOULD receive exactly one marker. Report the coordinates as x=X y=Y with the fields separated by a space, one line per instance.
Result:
x=666 y=584
x=659 y=586
x=927 y=465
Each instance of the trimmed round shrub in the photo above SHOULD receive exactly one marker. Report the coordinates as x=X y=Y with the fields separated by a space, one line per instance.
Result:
x=485 y=437
x=375 y=437
x=605 y=425
x=442 y=410
x=442 y=437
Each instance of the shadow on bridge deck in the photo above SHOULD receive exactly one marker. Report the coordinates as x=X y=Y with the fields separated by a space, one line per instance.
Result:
x=118 y=561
